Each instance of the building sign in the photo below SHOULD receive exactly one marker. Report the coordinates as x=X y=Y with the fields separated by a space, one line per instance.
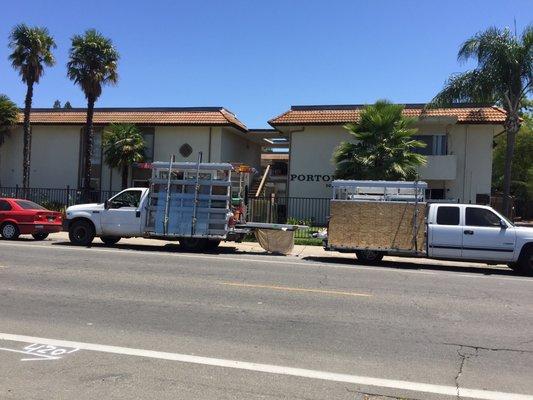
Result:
x=311 y=178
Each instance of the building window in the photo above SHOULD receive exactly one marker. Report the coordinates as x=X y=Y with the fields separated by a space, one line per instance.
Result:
x=435 y=194
x=186 y=150
x=96 y=158
x=436 y=145
x=148 y=136
x=141 y=176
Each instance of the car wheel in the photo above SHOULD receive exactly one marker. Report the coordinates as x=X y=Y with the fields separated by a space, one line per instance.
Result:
x=40 y=235
x=369 y=256
x=525 y=263
x=10 y=231
x=109 y=240
x=81 y=233
x=193 y=244
x=212 y=245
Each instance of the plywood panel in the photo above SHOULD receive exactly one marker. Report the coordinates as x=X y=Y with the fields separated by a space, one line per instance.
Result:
x=376 y=225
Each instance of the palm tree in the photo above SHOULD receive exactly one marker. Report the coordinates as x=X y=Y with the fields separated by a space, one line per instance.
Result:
x=8 y=118
x=92 y=64
x=503 y=76
x=384 y=146
x=123 y=146
x=32 y=50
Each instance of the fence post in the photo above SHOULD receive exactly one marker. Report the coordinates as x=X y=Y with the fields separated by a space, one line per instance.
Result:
x=16 y=191
x=67 y=196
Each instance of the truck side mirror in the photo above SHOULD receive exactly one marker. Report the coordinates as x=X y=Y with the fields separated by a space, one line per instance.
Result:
x=503 y=224
x=106 y=204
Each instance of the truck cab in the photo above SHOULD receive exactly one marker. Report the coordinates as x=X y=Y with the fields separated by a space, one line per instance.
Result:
x=477 y=233
x=123 y=215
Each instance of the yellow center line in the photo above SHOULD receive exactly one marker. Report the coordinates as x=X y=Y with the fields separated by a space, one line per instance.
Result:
x=295 y=289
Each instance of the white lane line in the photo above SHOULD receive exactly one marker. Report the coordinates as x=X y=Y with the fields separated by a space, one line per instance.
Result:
x=275 y=369
x=302 y=263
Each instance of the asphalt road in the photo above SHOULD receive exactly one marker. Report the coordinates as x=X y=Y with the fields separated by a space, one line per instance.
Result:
x=143 y=322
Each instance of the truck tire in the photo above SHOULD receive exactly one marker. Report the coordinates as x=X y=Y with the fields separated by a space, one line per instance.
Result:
x=193 y=244
x=110 y=240
x=81 y=233
x=212 y=245
x=40 y=235
x=525 y=263
x=369 y=256
x=9 y=231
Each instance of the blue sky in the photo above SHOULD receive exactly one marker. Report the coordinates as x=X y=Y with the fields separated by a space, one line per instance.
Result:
x=257 y=58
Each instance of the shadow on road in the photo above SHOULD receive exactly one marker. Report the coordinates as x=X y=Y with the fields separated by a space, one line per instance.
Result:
x=427 y=265
x=166 y=248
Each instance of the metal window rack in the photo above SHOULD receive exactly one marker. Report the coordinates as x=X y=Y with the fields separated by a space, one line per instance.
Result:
x=190 y=199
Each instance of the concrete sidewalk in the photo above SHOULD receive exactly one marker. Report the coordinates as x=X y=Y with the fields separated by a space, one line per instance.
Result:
x=311 y=253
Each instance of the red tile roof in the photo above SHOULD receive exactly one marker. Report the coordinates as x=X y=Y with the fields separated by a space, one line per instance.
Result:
x=335 y=115
x=200 y=116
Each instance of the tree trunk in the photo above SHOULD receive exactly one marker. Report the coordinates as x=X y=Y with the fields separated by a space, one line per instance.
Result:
x=88 y=149
x=125 y=177
x=512 y=126
x=26 y=151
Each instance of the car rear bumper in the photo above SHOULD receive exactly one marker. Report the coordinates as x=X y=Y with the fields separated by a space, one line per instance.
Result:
x=29 y=229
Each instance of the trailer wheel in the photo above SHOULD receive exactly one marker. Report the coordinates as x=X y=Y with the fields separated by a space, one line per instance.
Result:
x=110 y=240
x=212 y=245
x=193 y=244
x=369 y=256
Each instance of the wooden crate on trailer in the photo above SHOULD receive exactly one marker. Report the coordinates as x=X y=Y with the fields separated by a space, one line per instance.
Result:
x=376 y=225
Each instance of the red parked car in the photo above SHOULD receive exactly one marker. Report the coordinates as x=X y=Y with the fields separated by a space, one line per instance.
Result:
x=24 y=217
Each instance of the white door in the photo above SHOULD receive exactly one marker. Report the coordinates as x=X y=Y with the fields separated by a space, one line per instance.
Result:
x=123 y=215
x=445 y=233
x=484 y=238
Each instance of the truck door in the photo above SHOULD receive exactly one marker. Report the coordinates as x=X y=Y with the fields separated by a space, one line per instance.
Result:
x=486 y=236
x=445 y=232
x=122 y=217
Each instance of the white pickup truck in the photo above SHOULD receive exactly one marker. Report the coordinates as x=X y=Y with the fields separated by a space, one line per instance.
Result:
x=380 y=223
x=197 y=204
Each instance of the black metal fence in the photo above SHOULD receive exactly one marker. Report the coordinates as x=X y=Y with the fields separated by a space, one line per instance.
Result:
x=55 y=198
x=295 y=210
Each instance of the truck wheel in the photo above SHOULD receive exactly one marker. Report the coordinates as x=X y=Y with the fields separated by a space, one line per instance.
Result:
x=10 y=231
x=81 y=233
x=40 y=235
x=525 y=263
x=109 y=240
x=193 y=244
x=212 y=245
x=369 y=256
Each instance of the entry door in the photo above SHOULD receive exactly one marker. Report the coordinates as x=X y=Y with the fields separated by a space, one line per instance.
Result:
x=446 y=233
x=123 y=215
x=484 y=238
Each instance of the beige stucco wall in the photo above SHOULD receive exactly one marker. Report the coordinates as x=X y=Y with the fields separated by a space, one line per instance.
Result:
x=54 y=157
x=310 y=167
x=11 y=159
x=470 y=147
x=55 y=153
x=472 y=144
x=235 y=147
x=168 y=140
